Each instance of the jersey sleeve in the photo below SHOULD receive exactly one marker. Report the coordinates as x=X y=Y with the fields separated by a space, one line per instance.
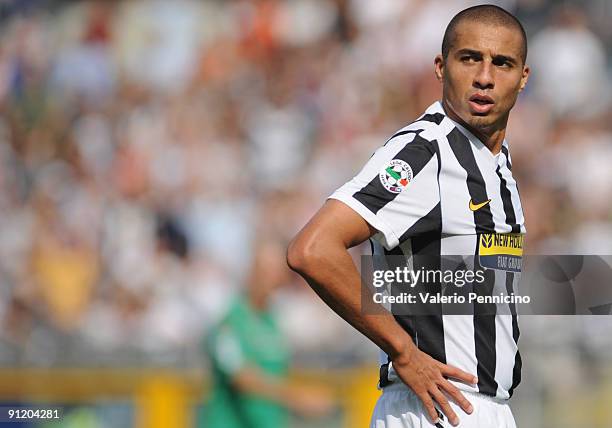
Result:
x=226 y=351
x=396 y=188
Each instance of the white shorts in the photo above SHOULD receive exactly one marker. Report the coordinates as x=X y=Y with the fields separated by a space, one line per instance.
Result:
x=399 y=407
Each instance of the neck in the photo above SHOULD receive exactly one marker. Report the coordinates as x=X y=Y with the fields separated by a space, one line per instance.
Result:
x=492 y=138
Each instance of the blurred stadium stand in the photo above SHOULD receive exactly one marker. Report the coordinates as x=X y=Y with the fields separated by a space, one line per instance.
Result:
x=144 y=144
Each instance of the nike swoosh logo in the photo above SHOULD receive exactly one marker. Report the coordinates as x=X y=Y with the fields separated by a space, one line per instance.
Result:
x=476 y=207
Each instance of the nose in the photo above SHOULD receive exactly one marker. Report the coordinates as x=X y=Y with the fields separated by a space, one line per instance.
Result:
x=484 y=78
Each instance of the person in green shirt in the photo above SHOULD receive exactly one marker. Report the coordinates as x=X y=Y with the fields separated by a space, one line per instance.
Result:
x=250 y=358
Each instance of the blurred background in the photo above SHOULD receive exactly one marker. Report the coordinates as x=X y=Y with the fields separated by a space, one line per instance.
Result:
x=146 y=146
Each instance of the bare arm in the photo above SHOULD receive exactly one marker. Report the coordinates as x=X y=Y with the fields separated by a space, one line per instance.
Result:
x=319 y=253
x=306 y=400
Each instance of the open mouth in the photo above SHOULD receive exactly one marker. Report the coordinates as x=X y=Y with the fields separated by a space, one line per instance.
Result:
x=480 y=103
x=481 y=99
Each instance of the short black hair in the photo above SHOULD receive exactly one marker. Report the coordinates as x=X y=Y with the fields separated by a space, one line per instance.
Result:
x=489 y=14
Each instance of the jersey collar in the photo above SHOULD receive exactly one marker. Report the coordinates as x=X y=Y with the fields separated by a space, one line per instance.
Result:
x=437 y=108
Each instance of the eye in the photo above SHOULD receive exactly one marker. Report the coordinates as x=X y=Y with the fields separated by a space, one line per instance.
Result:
x=468 y=58
x=502 y=62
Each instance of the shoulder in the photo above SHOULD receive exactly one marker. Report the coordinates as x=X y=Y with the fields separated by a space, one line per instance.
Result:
x=424 y=133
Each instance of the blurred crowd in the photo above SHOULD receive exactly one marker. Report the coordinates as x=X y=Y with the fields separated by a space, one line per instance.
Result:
x=146 y=145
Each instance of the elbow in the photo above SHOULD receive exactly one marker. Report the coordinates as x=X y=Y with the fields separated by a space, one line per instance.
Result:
x=301 y=254
x=296 y=255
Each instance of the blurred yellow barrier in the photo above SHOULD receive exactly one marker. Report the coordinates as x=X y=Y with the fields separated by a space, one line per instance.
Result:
x=75 y=385
x=360 y=397
x=355 y=388
x=163 y=401
x=165 y=397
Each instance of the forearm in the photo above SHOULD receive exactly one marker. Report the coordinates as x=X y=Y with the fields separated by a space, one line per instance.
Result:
x=329 y=270
x=251 y=380
x=304 y=399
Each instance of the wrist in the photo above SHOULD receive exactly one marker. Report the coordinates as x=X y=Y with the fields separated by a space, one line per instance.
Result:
x=402 y=350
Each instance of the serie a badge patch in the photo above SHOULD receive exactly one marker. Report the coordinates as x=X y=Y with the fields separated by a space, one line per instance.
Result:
x=395 y=176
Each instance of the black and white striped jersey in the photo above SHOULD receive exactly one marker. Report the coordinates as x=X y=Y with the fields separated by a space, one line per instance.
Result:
x=435 y=189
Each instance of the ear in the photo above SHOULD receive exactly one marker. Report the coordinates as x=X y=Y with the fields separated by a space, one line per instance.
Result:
x=439 y=67
x=524 y=77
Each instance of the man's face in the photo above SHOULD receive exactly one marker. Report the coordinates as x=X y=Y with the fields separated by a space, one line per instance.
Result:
x=482 y=75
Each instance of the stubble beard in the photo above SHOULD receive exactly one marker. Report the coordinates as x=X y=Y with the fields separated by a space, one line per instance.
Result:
x=482 y=123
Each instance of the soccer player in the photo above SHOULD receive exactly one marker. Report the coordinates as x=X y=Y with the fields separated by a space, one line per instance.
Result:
x=250 y=357
x=442 y=185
